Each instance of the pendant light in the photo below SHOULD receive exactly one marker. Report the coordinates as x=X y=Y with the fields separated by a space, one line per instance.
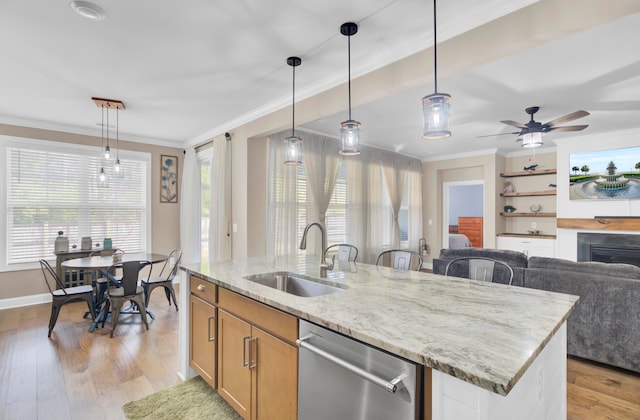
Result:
x=107 y=156
x=435 y=107
x=293 y=150
x=349 y=129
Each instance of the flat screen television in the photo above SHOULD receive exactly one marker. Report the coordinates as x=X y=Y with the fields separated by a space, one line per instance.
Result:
x=612 y=174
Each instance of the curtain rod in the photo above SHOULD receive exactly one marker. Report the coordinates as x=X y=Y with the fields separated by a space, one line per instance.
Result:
x=226 y=135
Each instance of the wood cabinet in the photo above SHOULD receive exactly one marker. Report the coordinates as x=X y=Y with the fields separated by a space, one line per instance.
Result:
x=203 y=329
x=257 y=358
x=532 y=247
x=472 y=228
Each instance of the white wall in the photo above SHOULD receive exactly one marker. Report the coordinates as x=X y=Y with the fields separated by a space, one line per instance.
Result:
x=586 y=209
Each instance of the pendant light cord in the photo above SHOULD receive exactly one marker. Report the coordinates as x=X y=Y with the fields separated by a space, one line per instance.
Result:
x=349 y=67
x=293 y=104
x=117 y=136
x=435 y=49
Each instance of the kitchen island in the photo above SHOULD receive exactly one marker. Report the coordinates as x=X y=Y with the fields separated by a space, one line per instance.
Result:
x=491 y=350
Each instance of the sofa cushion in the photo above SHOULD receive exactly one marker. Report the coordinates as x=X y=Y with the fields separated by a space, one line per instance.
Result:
x=513 y=258
x=614 y=270
x=604 y=325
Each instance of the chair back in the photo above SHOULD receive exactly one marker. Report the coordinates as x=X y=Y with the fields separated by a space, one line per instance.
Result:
x=51 y=278
x=343 y=252
x=478 y=268
x=171 y=265
x=130 y=274
x=400 y=259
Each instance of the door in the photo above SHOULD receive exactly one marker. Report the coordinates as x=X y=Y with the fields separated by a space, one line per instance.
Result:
x=203 y=339
x=234 y=376
x=276 y=378
x=460 y=199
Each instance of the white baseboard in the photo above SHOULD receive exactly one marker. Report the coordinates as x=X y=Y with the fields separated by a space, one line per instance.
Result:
x=17 y=302
x=428 y=265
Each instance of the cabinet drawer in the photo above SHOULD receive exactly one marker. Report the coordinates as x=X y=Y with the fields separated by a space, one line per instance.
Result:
x=270 y=319
x=204 y=290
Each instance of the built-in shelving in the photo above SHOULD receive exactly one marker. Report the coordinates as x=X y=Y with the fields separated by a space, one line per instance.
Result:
x=529 y=193
x=527 y=214
x=525 y=235
x=528 y=173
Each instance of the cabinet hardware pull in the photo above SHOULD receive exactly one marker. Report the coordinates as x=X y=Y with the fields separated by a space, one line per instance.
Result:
x=390 y=386
x=209 y=329
x=200 y=287
x=253 y=354
x=244 y=350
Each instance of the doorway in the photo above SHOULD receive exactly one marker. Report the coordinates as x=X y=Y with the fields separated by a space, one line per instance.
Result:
x=463 y=199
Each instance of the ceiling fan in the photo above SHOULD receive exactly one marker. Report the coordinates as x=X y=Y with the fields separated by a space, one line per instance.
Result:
x=533 y=127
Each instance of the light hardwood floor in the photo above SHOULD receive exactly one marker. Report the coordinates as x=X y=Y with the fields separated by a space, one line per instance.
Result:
x=81 y=375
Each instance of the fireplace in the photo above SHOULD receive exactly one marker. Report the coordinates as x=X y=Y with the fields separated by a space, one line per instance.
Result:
x=609 y=248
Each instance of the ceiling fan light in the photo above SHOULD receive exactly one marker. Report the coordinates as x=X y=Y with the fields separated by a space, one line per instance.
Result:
x=350 y=138
x=531 y=140
x=436 y=111
x=293 y=151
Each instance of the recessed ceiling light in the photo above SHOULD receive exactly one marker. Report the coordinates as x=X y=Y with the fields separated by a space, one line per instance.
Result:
x=88 y=10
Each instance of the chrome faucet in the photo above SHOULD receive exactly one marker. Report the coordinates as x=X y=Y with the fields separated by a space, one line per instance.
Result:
x=324 y=266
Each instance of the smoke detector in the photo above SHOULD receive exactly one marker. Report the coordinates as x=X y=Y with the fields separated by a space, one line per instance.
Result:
x=88 y=10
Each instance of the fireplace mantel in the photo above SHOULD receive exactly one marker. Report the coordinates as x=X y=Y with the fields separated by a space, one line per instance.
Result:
x=600 y=223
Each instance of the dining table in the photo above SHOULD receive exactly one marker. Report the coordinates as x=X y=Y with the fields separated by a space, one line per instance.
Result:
x=102 y=264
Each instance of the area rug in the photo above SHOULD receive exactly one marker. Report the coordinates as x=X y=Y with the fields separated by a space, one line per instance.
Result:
x=191 y=399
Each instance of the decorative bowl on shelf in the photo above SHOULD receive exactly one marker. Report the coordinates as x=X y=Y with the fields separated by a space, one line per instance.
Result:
x=533 y=232
x=509 y=209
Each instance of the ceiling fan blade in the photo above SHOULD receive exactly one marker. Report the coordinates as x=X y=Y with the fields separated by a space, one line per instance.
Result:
x=513 y=123
x=499 y=134
x=568 y=128
x=567 y=118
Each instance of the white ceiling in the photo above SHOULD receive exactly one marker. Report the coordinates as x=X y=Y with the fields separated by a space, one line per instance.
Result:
x=196 y=68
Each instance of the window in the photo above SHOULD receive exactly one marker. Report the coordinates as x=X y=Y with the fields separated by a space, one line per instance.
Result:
x=51 y=187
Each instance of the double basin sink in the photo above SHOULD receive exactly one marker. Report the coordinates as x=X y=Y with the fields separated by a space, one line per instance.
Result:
x=295 y=284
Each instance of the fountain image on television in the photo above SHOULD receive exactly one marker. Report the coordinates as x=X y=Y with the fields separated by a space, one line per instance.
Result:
x=605 y=174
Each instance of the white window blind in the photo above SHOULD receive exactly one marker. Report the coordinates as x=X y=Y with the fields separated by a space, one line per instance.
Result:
x=51 y=189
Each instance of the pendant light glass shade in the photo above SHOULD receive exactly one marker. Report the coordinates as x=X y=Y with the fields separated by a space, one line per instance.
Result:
x=532 y=140
x=293 y=149
x=435 y=107
x=350 y=138
x=349 y=129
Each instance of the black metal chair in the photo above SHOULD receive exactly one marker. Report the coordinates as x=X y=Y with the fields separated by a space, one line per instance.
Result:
x=166 y=281
x=61 y=295
x=343 y=252
x=478 y=268
x=129 y=292
x=102 y=278
x=400 y=259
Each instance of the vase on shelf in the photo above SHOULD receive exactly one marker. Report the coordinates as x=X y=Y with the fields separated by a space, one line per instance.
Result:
x=61 y=243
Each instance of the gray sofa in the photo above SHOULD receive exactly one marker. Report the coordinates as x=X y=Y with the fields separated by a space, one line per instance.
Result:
x=605 y=325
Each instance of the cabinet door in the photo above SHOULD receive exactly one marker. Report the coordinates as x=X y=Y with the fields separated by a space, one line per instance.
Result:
x=202 y=354
x=275 y=378
x=234 y=376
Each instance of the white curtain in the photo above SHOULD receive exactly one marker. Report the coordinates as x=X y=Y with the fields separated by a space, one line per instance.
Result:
x=282 y=209
x=393 y=168
x=220 y=222
x=190 y=213
x=322 y=161
x=414 y=181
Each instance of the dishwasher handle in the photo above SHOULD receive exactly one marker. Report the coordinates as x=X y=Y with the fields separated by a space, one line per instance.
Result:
x=391 y=386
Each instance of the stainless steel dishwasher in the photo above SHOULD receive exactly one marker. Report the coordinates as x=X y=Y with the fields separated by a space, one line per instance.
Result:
x=340 y=378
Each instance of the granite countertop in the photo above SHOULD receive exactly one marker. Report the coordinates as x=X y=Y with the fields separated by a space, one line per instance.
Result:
x=483 y=333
